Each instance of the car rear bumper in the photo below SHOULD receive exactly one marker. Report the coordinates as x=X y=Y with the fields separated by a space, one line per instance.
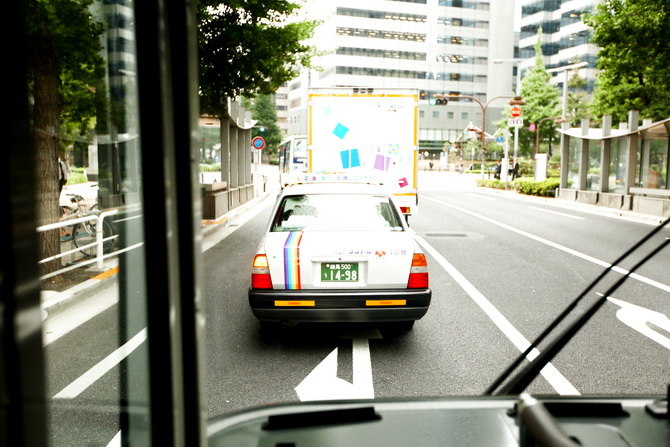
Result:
x=331 y=306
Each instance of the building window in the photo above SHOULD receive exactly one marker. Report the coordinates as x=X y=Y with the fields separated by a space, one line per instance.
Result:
x=386 y=54
x=381 y=34
x=384 y=15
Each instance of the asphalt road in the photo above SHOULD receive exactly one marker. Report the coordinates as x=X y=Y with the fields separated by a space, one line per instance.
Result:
x=502 y=267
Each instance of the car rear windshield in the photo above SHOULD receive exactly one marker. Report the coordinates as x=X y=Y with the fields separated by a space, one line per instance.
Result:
x=328 y=212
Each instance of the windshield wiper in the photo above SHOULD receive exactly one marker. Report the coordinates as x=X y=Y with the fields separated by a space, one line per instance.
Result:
x=528 y=374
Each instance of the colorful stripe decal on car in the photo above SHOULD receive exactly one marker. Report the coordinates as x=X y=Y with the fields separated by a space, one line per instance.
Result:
x=292 y=260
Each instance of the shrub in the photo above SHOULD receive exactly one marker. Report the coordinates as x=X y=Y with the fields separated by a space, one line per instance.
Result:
x=215 y=167
x=545 y=188
x=490 y=183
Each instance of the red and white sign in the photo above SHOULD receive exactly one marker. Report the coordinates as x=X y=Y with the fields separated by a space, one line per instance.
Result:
x=258 y=143
x=516 y=112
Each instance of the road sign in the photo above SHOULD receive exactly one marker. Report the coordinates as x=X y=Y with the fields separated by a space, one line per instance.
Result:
x=500 y=140
x=516 y=112
x=258 y=143
x=531 y=127
x=515 y=122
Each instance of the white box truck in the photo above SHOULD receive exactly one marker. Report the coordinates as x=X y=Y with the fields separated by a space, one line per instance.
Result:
x=365 y=134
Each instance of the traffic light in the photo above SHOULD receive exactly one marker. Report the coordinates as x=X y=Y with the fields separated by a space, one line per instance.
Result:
x=438 y=101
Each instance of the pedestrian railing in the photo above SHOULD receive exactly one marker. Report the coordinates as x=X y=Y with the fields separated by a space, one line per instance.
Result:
x=96 y=247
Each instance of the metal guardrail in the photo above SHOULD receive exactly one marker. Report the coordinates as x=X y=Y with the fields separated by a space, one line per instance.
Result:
x=98 y=244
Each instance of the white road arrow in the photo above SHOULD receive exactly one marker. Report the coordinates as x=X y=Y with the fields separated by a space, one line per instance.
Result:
x=637 y=317
x=323 y=384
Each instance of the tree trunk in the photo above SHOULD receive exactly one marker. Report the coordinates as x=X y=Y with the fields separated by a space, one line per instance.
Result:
x=46 y=134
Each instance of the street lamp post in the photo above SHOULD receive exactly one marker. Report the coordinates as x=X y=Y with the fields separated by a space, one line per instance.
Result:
x=565 y=69
x=513 y=100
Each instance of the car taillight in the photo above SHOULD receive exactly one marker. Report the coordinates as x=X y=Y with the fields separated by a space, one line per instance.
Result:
x=260 y=273
x=418 y=274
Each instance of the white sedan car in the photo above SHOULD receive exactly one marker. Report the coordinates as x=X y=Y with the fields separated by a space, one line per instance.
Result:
x=338 y=252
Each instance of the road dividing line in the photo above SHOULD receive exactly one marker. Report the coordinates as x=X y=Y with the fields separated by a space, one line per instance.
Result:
x=89 y=377
x=556 y=212
x=563 y=248
x=549 y=372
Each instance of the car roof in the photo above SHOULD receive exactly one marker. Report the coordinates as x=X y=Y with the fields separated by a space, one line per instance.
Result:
x=336 y=188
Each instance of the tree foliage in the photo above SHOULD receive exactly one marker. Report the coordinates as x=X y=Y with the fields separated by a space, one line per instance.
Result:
x=634 y=59
x=578 y=100
x=542 y=101
x=263 y=109
x=249 y=47
x=542 y=98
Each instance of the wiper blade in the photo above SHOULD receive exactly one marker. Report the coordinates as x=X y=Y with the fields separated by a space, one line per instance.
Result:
x=531 y=371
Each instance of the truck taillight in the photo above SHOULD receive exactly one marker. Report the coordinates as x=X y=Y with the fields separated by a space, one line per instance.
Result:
x=418 y=274
x=260 y=273
x=405 y=210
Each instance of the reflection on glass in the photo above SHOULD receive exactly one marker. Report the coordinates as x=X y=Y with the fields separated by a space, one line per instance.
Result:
x=93 y=283
x=593 y=174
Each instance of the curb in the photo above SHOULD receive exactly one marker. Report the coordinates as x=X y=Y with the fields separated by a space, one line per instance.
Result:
x=584 y=207
x=54 y=303
x=210 y=226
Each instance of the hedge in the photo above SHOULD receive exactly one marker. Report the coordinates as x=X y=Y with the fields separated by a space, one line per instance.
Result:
x=528 y=186
x=545 y=188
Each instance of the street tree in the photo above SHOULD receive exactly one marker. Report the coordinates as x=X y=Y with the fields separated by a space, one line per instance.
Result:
x=249 y=47
x=64 y=57
x=634 y=58
x=264 y=110
x=578 y=100
x=542 y=101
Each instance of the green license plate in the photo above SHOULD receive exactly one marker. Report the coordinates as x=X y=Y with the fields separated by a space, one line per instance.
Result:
x=339 y=271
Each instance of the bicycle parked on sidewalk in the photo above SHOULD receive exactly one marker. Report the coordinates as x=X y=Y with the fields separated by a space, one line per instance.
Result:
x=84 y=234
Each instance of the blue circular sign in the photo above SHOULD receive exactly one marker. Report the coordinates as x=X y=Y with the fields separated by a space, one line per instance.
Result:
x=258 y=143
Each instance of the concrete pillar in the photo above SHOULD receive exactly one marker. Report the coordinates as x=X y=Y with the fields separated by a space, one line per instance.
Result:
x=584 y=156
x=225 y=151
x=633 y=118
x=565 y=151
x=605 y=154
x=645 y=156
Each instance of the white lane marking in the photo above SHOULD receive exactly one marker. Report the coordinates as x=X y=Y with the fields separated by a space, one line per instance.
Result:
x=542 y=240
x=116 y=440
x=556 y=212
x=322 y=382
x=87 y=379
x=549 y=372
x=637 y=318
x=479 y=196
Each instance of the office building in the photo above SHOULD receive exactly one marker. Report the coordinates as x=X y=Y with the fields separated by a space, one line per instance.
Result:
x=436 y=46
